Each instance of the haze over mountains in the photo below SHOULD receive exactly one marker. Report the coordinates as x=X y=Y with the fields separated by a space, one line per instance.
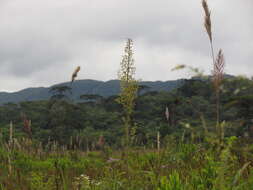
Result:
x=81 y=87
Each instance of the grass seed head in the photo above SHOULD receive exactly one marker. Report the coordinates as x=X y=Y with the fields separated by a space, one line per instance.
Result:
x=218 y=70
x=74 y=75
x=207 y=23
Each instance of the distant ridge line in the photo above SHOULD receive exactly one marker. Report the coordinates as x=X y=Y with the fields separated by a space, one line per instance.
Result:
x=79 y=87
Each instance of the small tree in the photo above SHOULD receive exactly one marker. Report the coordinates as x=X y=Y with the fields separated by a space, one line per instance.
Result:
x=129 y=88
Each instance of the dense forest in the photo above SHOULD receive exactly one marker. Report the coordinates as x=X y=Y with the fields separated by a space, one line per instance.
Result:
x=173 y=144
x=62 y=120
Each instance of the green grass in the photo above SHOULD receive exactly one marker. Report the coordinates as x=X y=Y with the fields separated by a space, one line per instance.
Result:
x=178 y=166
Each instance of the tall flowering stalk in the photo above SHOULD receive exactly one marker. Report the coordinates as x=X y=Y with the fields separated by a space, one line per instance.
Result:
x=218 y=75
x=129 y=88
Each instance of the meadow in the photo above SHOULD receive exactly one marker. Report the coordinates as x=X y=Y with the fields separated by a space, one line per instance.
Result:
x=176 y=166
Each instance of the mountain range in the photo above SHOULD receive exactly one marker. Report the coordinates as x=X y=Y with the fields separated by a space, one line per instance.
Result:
x=80 y=87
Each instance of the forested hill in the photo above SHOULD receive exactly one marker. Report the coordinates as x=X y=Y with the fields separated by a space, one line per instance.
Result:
x=81 y=87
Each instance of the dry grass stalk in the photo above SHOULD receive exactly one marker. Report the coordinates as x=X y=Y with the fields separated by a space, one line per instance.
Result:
x=9 y=165
x=74 y=75
x=11 y=134
x=158 y=141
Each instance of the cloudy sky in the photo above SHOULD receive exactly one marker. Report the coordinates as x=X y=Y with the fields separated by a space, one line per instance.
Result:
x=42 y=41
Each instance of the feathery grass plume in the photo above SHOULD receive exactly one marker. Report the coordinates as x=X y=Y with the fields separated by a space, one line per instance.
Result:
x=218 y=71
x=208 y=25
x=218 y=75
x=74 y=75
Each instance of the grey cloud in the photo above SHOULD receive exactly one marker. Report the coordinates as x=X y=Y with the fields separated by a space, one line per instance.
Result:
x=29 y=58
x=37 y=37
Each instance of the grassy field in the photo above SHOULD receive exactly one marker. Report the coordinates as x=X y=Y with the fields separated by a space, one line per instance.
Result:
x=176 y=166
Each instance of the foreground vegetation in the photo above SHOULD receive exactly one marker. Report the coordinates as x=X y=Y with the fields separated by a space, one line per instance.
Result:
x=179 y=165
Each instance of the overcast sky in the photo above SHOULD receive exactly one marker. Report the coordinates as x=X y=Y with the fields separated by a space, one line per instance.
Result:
x=42 y=41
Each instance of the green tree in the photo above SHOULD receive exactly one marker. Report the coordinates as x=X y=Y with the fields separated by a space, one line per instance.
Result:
x=60 y=92
x=92 y=98
x=142 y=89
